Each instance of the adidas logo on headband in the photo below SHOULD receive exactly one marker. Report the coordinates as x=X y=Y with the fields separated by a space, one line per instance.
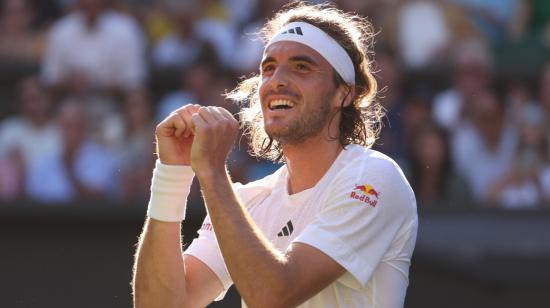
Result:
x=297 y=30
x=321 y=42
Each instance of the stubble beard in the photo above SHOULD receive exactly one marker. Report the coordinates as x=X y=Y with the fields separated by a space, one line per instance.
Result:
x=311 y=124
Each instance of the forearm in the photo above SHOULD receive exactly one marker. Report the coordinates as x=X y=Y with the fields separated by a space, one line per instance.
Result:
x=257 y=268
x=159 y=273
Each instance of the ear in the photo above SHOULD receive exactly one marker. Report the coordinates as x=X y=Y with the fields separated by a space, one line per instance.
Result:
x=346 y=93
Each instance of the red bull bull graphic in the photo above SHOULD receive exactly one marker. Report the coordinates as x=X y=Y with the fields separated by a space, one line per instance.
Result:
x=366 y=193
x=206 y=226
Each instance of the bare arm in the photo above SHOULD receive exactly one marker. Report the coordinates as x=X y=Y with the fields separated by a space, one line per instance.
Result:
x=163 y=277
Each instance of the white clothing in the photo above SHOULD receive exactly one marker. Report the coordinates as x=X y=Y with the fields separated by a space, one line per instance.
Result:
x=521 y=196
x=220 y=35
x=480 y=166
x=110 y=54
x=545 y=181
x=17 y=133
x=447 y=108
x=248 y=49
x=47 y=179
x=362 y=214
x=422 y=32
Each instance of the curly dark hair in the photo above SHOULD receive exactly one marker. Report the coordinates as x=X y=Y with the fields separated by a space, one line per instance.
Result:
x=361 y=120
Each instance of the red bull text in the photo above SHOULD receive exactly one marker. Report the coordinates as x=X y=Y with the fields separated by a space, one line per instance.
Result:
x=366 y=193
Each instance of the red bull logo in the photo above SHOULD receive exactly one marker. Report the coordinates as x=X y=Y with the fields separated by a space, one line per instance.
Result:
x=366 y=193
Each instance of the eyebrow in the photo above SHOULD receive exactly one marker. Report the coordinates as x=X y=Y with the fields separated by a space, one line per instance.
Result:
x=306 y=59
x=299 y=58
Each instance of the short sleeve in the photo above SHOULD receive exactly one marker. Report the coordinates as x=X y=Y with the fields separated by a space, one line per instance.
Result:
x=368 y=203
x=205 y=248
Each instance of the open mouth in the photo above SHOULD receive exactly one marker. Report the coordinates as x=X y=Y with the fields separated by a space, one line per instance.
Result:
x=280 y=104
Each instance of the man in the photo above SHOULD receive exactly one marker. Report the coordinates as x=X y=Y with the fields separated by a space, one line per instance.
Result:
x=94 y=48
x=79 y=169
x=334 y=227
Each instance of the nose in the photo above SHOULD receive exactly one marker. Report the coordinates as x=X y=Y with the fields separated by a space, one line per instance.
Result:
x=279 y=79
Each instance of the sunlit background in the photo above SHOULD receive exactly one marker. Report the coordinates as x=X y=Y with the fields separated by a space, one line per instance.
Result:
x=466 y=87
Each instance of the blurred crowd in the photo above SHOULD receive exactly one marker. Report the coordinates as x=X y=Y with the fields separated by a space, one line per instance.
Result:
x=466 y=121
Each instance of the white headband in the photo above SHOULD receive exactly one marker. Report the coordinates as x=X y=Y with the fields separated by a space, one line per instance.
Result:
x=321 y=42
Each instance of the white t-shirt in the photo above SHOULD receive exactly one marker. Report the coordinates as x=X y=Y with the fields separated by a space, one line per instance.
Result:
x=362 y=214
x=110 y=54
x=18 y=133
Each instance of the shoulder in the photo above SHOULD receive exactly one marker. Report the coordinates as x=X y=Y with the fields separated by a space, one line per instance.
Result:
x=66 y=25
x=370 y=175
x=120 y=23
x=362 y=163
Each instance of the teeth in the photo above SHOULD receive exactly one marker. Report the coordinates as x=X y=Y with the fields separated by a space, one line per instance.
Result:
x=280 y=103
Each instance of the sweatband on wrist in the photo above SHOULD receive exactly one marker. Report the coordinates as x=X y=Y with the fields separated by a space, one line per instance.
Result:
x=170 y=187
x=321 y=42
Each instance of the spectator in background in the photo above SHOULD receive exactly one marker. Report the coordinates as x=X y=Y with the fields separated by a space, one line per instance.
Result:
x=31 y=133
x=521 y=186
x=196 y=87
x=11 y=176
x=20 y=42
x=484 y=145
x=197 y=26
x=182 y=47
x=217 y=29
x=80 y=170
x=432 y=176
x=137 y=149
x=94 y=48
x=249 y=47
x=518 y=95
x=544 y=88
x=492 y=17
x=47 y=11
x=391 y=141
x=241 y=12
x=416 y=113
x=544 y=102
x=422 y=33
x=471 y=74
x=534 y=20
x=154 y=19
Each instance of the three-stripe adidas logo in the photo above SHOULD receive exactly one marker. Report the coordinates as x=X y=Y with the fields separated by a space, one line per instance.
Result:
x=295 y=30
x=287 y=230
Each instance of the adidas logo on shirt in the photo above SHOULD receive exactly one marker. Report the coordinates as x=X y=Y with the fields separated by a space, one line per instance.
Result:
x=287 y=230
x=296 y=30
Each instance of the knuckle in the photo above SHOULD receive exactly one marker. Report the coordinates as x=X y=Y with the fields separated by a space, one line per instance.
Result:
x=161 y=125
x=203 y=111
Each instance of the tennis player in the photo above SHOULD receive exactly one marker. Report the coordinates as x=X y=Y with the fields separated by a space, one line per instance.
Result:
x=335 y=226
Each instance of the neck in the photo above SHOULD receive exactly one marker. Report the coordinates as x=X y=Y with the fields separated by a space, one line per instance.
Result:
x=307 y=162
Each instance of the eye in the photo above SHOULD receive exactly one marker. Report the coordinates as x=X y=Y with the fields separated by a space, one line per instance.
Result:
x=302 y=67
x=268 y=68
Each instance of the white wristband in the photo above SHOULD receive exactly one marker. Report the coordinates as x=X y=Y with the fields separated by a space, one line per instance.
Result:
x=169 y=190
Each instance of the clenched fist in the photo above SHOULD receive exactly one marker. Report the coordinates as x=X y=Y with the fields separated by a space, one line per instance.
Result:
x=175 y=136
x=198 y=136
x=215 y=131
